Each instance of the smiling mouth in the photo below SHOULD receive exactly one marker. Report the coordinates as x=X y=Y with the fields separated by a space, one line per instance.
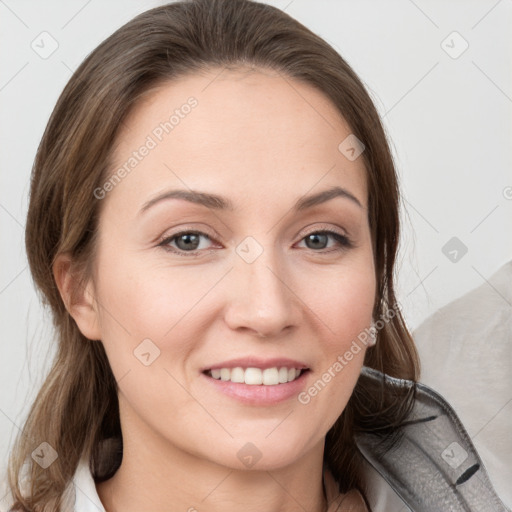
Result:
x=256 y=376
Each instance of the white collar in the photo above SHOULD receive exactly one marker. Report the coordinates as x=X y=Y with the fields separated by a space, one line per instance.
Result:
x=86 y=496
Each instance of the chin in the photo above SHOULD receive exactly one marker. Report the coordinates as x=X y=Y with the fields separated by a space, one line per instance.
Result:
x=257 y=451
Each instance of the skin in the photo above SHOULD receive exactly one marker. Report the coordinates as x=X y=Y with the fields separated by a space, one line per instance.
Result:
x=263 y=142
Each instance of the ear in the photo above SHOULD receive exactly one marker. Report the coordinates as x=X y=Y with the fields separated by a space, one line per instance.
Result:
x=78 y=298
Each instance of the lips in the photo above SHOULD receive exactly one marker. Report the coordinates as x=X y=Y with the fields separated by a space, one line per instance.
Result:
x=267 y=393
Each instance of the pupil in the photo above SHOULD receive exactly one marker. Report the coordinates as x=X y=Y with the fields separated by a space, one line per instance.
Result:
x=314 y=238
x=188 y=242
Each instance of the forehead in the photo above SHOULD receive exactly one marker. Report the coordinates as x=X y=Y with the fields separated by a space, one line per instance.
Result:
x=256 y=133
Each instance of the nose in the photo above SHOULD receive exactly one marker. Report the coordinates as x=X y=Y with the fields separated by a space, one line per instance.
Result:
x=262 y=301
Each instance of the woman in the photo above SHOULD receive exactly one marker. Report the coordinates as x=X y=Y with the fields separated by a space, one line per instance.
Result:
x=210 y=354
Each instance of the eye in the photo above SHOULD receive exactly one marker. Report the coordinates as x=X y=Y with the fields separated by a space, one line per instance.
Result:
x=185 y=242
x=319 y=239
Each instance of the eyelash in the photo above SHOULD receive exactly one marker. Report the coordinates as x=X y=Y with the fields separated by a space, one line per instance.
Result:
x=343 y=241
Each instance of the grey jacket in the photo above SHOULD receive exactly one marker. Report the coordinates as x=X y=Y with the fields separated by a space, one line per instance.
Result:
x=434 y=466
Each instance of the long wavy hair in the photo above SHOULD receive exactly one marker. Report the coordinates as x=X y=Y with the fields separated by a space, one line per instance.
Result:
x=76 y=409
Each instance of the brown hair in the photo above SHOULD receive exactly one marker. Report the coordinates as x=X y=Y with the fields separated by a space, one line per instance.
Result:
x=77 y=408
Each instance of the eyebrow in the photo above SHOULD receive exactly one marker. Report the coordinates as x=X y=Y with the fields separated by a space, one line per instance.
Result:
x=217 y=202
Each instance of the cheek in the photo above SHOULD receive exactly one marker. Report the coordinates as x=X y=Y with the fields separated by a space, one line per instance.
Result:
x=343 y=302
x=142 y=301
x=344 y=306
x=150 y=323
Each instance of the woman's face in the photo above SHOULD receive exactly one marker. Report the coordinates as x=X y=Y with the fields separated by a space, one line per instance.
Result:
x=249 y=279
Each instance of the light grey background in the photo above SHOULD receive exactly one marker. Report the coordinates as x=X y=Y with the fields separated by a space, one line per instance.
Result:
x=448 y=116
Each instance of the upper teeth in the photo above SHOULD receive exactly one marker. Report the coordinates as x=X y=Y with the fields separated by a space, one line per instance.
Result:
x=253 y=376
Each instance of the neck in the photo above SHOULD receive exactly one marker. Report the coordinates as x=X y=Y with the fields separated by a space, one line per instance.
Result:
x=158 y=475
